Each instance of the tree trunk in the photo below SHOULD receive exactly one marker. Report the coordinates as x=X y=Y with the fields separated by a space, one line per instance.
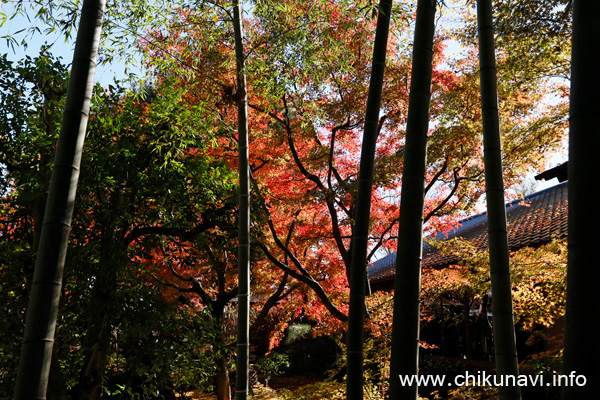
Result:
x=360 y=236
x=407 y=286
x=582 y=349
x=505 y=347
x=243 y=331
x=57 y=388
x=223 y=383
x=91 y=379
x=467 y=322
x=42 y=312
x=97 y=345
x=218 y=311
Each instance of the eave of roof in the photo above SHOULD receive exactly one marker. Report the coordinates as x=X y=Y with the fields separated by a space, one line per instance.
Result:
x=532 y=221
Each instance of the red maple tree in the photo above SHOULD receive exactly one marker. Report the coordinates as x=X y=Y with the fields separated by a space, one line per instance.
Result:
x=308 y=69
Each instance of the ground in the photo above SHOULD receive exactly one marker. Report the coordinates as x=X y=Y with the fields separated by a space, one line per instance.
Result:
x=284 y=388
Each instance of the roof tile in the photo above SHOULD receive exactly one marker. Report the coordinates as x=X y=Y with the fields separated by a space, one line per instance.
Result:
x=532 y=221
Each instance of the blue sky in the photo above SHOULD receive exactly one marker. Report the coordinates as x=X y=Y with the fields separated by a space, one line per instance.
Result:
x=105 y=74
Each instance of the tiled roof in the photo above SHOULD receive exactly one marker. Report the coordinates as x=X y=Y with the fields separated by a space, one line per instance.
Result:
x=532 y=221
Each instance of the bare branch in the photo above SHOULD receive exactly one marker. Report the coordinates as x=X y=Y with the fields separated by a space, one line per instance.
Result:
x=437 y=176
x=457 y=180
x=380 y=239
x=271 y=302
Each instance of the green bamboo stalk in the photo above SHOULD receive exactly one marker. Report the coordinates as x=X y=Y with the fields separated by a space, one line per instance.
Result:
x=360 y=234
x=502 y=310
x=243 y=325
x=42 y=312
x=582 y=348
x=407 y=286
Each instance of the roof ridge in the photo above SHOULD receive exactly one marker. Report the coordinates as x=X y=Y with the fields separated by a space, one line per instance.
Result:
x=517 y=201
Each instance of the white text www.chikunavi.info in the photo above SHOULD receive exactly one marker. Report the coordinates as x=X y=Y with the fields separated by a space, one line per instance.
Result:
x=483 y=378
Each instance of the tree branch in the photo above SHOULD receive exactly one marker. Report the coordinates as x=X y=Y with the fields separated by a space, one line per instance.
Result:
x=138 y=232
x=185 y=234
x=272 y=301
x=380 y=239
x=328 y=194
x=457 y=180
x=314 y=285
x=437 y=176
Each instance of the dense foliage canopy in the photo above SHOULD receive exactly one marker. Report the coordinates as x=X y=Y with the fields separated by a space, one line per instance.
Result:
x=148 y=297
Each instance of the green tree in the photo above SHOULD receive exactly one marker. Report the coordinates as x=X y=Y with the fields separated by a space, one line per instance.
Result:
x=156 y=195
x=532 y=38
x=360 y=234
x=503 y=318
x=405 y=331
x=31 y=100
x=150 y=185
x=539 y=28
